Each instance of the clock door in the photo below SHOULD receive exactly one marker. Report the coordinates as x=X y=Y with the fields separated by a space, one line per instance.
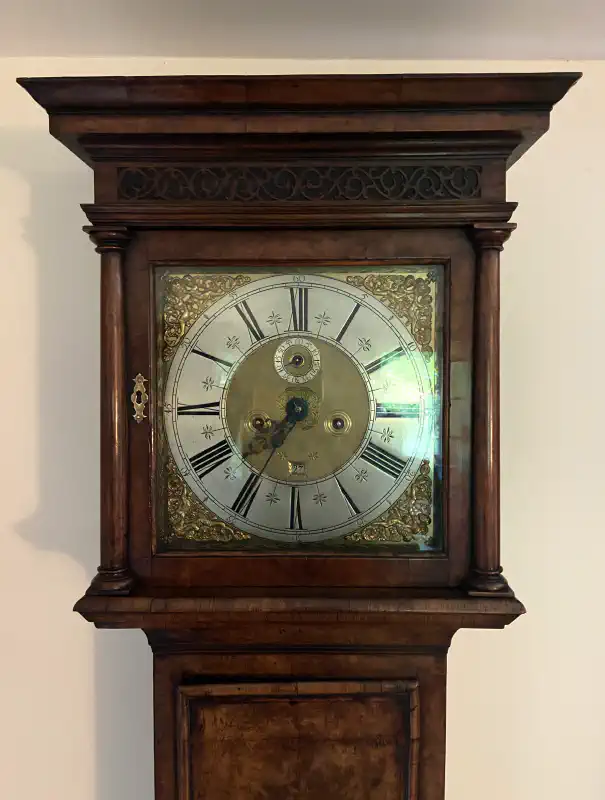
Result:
x=299 y=408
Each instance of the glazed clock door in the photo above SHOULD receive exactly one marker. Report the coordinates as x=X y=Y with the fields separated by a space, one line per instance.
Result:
x=299 y=409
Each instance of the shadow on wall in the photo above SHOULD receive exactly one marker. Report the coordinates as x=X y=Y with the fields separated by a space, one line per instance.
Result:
x=65 y=309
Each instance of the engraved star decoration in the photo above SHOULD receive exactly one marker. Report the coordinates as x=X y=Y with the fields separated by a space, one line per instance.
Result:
x=272 y=498
x=230 y=473
x=274 y=319
x=387 y=435
x=319 y=498
x=208 y=431
x=322 y=319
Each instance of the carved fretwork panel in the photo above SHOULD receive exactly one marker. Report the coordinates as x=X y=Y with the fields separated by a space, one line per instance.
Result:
x=250 y=183
x=297 y=741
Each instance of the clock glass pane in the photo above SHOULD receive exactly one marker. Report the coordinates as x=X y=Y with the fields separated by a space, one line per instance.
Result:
x=299 y=409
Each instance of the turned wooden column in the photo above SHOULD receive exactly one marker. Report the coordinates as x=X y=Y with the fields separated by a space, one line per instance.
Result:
x=486 y=576
x=113 y=575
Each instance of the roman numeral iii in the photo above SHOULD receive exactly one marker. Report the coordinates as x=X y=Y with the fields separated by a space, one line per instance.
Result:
x=404 y=410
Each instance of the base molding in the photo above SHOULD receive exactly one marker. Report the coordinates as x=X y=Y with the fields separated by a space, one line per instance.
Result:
x=378 y=618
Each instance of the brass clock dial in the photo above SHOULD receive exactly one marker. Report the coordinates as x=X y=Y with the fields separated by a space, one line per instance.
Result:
x=299 y=407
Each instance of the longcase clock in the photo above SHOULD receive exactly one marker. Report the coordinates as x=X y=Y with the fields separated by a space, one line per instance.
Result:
x=300 y=409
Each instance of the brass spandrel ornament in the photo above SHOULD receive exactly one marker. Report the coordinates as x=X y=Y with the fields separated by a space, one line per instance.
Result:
x=188 y=295
x=408 y=521
x=188 y=518
x=411 y=297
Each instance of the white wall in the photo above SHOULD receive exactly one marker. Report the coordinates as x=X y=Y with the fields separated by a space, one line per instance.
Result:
x=526 y=705
x=311 y=29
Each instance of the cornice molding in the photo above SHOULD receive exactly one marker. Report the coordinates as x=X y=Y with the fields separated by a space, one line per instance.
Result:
x=132 y=113
x=275 y=94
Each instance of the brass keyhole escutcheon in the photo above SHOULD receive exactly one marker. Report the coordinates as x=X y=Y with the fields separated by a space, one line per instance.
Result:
x=139 y=398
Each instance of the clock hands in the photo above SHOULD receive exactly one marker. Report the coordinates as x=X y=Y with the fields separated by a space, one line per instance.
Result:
x=276 y=443
x=264 y=441
x=297 y=409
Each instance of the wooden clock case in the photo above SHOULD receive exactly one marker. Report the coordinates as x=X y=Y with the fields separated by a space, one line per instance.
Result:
x=294 y=676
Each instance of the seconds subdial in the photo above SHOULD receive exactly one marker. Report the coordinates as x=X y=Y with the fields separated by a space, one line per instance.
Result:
x=297 y=360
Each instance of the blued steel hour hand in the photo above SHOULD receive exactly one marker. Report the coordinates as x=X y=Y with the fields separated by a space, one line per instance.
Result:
x=297 y=409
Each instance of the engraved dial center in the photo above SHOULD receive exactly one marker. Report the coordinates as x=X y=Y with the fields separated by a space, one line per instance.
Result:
x=308 y=382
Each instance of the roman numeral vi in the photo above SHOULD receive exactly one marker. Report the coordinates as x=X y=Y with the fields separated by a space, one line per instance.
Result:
x=295 y=516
